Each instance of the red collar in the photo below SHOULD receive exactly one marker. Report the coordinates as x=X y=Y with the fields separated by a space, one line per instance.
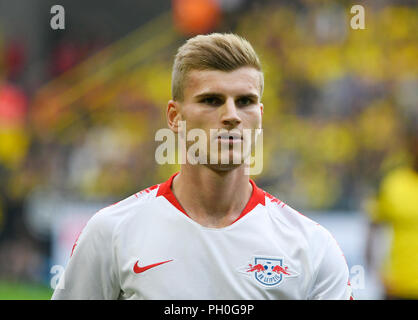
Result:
x=257 y=196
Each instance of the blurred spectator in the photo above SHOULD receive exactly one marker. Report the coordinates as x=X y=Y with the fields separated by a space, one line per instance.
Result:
x=64 y=57
x=14 y=59
x=397 y=206
x=13 y=105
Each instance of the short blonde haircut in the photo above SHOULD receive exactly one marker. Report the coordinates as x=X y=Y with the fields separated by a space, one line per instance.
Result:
x=216 y=51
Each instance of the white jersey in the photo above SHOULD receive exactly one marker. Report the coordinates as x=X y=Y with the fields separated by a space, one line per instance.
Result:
x=147 y=247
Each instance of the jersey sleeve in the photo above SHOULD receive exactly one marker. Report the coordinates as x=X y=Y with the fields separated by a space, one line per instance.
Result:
x=91 y=273
x=332 y=275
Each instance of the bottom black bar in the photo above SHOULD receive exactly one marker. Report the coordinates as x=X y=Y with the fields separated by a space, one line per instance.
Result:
x=202 y=309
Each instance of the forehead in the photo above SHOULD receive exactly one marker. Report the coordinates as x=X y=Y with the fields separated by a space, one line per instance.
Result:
x=237 y=82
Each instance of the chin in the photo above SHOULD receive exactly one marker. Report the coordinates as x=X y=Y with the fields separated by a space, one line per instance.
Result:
x=223 y=167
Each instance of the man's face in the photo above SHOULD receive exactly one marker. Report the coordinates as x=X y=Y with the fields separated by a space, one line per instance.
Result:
x=223 y=100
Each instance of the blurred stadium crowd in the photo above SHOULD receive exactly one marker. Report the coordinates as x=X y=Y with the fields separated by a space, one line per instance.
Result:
x=336 y=102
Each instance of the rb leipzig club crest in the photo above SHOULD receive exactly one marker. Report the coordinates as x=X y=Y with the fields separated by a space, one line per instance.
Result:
x=269 y=271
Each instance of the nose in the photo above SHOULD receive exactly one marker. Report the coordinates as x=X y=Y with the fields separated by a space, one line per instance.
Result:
x=229 y=116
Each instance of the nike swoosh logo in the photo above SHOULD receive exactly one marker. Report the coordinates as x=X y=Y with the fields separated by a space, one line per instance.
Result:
x=138 y=269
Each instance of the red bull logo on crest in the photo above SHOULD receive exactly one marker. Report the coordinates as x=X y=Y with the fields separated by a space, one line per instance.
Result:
x=269 y=271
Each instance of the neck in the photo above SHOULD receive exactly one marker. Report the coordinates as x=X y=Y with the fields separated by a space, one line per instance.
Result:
x=212 y=198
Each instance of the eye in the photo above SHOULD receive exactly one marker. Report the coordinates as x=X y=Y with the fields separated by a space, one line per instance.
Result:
x=212 y=101
x=244 y=101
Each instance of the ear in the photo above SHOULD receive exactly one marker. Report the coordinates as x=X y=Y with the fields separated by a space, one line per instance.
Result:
x=173 y=115
x=261 y=106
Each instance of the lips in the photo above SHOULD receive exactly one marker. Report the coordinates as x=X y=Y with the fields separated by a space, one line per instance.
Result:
x=229 y=137
x=229 y=140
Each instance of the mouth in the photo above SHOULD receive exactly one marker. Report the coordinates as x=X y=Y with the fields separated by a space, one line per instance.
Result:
x=229 y=138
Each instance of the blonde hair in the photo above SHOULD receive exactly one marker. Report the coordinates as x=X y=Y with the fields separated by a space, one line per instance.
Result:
x=216 y=51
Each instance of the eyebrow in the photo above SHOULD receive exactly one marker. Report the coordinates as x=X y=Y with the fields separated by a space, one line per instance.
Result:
x=215 y=94
x=249 y=95
x=208 y=94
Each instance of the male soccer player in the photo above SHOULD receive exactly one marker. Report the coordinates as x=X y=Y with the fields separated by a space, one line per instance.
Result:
x=208 y=232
